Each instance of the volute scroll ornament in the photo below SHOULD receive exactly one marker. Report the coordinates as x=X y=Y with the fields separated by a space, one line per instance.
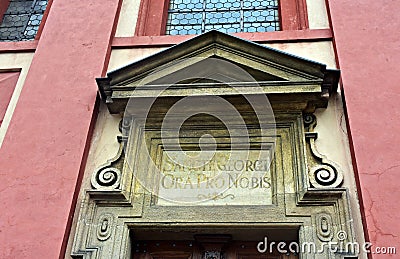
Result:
x=322 y=172
x=108 y=177
x=112 y=181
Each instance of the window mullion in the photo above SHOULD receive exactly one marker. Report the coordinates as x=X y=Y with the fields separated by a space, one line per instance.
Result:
x=203 y=23
x=241 y=16
x=31 y=11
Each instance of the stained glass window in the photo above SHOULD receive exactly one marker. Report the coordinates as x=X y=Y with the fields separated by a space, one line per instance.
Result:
x=22 y=19
x=229 y=16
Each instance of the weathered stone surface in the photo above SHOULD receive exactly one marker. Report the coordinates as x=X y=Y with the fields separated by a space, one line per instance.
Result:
x=226 y=177
x=296 y=193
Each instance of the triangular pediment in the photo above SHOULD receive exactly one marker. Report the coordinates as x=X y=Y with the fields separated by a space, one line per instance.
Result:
x=198 y=64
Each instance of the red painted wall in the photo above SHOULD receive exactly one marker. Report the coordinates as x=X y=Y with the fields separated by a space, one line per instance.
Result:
x=44 y=147
x=45 y=144
x=368 y=48
x=8 y=80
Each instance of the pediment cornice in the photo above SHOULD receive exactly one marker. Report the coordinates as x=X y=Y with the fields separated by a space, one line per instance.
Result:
x=279 y=75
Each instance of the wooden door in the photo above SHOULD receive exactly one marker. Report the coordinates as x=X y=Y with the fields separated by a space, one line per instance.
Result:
x=248 y=250
x=166 y=250
x=193 y=250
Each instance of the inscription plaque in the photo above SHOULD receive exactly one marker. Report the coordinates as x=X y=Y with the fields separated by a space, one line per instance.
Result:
x=221 y=177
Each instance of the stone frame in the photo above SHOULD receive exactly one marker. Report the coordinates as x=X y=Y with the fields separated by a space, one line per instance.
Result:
x=303 y=197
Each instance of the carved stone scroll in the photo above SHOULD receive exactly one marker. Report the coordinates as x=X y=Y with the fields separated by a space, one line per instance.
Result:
x=322 y=172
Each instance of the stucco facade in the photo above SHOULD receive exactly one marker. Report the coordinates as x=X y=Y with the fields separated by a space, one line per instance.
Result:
x=57 y=131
